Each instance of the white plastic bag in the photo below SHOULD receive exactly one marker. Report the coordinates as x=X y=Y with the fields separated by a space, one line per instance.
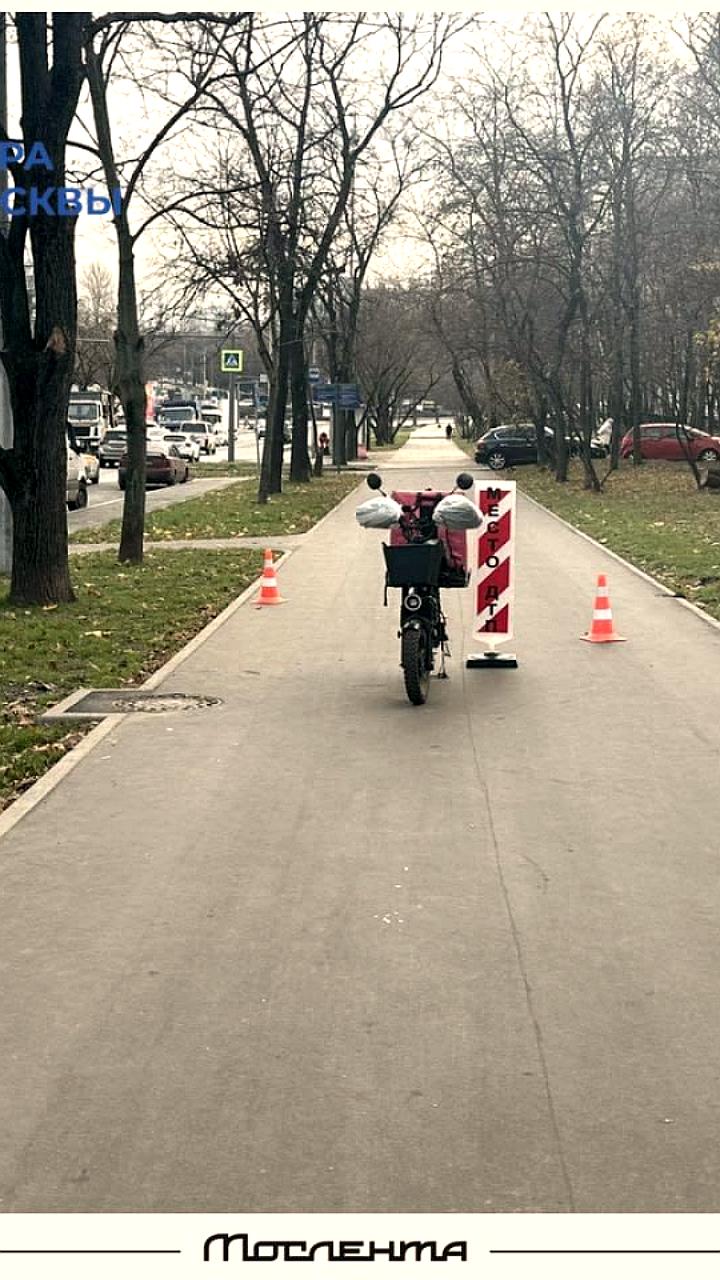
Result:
x=379 y=513
x=457 y=512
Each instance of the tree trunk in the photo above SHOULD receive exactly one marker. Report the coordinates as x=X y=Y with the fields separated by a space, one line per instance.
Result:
x=129 y=371
x=688 y=362
x=382 y=423
x=349 y=428
x=616 y=404
x=467 y=395
x=632 y=266
x=272 y=458
x=39 y=364
x=299 y=457
x=130 y=381
x=38 y=499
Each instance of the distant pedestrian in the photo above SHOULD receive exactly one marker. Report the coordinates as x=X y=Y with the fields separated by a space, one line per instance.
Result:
x=448 y=431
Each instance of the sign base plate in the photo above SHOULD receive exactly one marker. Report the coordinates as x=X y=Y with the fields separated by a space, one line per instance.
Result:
x=491 y=660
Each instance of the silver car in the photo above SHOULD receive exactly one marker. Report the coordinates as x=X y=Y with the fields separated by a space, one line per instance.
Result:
x=186 y=446
x=112 y=448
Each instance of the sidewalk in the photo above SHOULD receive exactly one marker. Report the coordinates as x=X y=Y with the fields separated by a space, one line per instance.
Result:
x=315 y=949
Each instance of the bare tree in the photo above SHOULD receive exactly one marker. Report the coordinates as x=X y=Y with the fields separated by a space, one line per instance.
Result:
x=40 y=349
x=94 y=361
x=104 y=39
x=297 y=94
x=374 y=204
x=397 y=356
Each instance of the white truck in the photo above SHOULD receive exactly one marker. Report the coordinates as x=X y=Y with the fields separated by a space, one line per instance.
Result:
x=90 y=416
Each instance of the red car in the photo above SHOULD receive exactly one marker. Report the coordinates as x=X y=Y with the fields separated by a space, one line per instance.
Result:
x=660 y=440
x=163 y=465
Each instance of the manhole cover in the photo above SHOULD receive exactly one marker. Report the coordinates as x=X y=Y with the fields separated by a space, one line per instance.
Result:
x=93 y=704
x=163 y=702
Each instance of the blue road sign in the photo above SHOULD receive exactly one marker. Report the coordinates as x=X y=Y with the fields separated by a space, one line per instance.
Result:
x=325 y=393
x=346 y=395
x=349 y=395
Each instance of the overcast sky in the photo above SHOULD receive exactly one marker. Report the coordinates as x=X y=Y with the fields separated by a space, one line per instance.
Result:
x=95 y=238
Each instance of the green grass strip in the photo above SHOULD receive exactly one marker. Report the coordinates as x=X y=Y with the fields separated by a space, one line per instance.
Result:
x=127 y=621
x=234 y=512
x=652 y=515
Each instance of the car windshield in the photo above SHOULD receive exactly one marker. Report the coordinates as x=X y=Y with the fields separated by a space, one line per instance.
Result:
x=176 y=415
x=115 y=437
x=83 y=412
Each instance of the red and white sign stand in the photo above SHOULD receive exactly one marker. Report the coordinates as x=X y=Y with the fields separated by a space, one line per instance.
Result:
x=493 y=573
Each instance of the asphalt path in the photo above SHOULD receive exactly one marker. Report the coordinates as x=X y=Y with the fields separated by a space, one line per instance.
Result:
x=318 y=950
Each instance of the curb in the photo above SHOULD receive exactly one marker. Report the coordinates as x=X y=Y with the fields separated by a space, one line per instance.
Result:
x=36 y=793
x=639 y=573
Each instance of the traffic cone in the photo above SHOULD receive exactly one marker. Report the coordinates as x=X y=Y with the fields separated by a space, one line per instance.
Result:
x=601 y=629
x=269 y=593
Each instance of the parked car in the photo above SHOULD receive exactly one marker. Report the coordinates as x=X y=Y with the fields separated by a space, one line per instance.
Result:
x=204 y=434
x=660 y=440
x=200 y=431
x=163 y=465
x=212 y=414
x=186 y=446
x=154 y=435
x=513 y=445
x=76 y=492
x=112 y=448
x=91 y=462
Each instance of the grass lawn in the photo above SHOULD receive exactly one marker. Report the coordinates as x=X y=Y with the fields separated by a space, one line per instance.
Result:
x=652 y=515
x=468 y=446
x=401 y=438
x=126 y=622
x=209 y=470
x=234 y=512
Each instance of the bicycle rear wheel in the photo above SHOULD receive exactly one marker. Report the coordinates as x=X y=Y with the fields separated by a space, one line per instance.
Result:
x=414 y=664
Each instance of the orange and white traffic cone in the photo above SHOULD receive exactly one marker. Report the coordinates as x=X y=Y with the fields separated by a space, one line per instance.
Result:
x=602 y=629
x=269 y=593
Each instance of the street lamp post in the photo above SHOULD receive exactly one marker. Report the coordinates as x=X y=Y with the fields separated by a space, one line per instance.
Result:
x=232 y=419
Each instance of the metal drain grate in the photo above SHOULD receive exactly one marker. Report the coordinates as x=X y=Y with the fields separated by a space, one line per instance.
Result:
x=93 y=704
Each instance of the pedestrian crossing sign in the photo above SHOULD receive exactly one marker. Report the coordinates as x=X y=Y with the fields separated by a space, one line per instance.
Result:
x=231 y=361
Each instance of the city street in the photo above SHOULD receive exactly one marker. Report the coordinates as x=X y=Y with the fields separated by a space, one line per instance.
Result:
x=318 y=950
x=105 y=499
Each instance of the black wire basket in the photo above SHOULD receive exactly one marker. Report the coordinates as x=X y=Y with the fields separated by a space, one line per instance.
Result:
x=415 y=565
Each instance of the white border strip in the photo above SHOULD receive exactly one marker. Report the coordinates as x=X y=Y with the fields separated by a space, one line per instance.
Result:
x=639 y=573
x=507 y=507
x=27 y=801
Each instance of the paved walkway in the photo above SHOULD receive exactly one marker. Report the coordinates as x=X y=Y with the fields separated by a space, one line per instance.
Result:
x=316 y=949
x=279 y=542
x=103 y=507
